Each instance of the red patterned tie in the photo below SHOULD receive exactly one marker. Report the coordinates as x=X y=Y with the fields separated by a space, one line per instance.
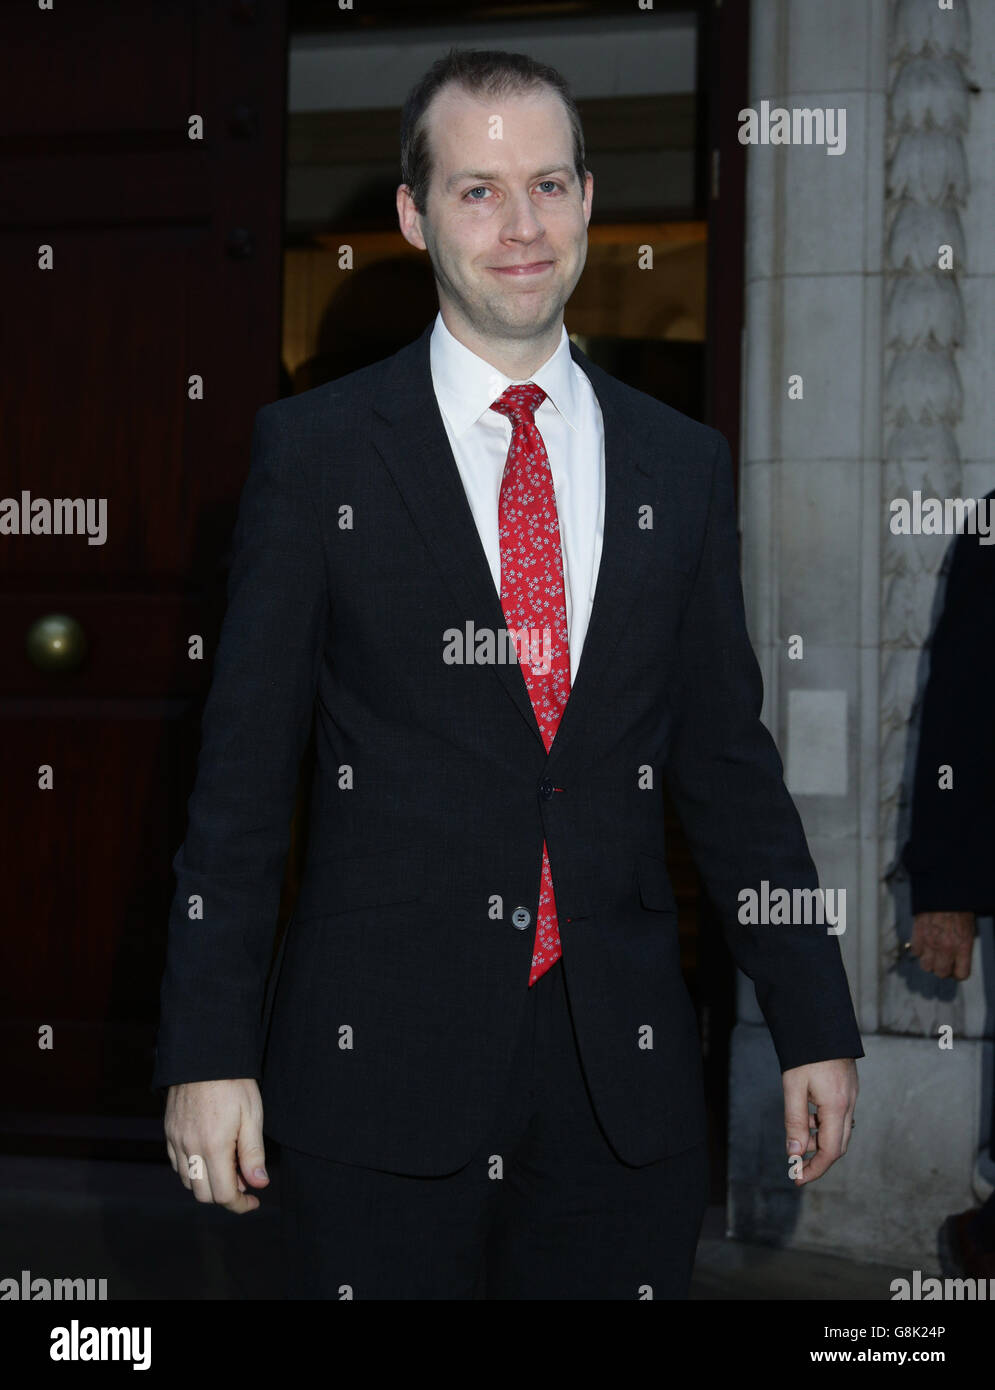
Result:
x=532 y=598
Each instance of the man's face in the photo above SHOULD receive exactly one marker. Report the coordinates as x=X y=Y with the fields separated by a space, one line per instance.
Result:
x=496 y=205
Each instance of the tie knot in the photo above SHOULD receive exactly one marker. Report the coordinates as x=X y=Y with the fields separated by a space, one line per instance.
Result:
x=520 y=402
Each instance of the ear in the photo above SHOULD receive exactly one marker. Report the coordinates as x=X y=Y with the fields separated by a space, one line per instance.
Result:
x=588 y=195
x=409 y=218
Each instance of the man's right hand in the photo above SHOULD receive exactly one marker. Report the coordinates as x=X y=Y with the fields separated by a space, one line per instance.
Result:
x=943 y=942
x=214 y=1137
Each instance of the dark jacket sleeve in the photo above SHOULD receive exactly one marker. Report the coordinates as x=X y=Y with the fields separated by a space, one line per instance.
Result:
x=950 y=853
x=726 y=779
x=256 y=721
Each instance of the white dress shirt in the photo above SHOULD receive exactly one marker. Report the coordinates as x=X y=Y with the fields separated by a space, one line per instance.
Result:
x=570 y=422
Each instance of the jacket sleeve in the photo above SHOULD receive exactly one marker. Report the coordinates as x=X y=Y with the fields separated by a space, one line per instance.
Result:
x=726 y=780
x=949 y=851
x=256 y=721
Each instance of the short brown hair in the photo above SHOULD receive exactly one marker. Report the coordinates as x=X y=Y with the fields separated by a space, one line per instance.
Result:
x=481 y=72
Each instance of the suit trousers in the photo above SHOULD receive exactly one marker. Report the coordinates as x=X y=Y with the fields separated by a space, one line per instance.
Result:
x=543 y=1210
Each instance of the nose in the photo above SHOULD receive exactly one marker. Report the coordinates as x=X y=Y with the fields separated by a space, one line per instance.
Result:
x=522 y=222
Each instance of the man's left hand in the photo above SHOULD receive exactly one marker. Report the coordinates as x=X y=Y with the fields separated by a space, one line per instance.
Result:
x=832 y=1087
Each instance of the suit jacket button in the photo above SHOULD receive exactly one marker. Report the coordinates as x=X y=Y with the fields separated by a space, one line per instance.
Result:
x=520 y=918
x=546 y=788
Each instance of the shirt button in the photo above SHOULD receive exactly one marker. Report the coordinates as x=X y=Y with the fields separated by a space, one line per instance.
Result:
x=520 y=918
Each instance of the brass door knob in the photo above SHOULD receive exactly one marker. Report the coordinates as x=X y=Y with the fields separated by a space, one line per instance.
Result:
x=56 y=643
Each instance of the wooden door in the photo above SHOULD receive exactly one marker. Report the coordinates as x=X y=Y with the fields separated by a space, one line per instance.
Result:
x=141 y=197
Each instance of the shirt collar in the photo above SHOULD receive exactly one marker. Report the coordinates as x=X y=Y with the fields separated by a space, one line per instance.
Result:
x=466 y=385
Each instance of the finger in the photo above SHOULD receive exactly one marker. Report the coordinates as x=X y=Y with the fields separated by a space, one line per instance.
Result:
x=172 y=1155
x=847 y=1128
x=943 y=962
x=183 y=1166
x=251 y=1153
x=224 y=1184
x=830 y=1143
x=962 y=958
x=200 y=1180
x=796 y=1117
x=242 y=1202
x=796 y=1164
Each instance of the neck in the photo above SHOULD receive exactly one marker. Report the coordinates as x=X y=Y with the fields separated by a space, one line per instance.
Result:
x=517 y=358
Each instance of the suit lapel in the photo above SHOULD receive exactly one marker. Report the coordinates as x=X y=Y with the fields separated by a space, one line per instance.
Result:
x=410 y=437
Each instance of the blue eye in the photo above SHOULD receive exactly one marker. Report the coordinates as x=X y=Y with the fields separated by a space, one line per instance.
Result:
x=479 y=188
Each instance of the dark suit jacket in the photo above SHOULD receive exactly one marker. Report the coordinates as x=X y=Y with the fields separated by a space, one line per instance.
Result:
x=393 y=1009
x=950 y=852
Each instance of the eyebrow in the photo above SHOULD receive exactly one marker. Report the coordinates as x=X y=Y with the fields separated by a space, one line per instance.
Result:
x=493 y=178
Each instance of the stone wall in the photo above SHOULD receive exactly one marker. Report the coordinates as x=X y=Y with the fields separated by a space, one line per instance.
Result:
x=895 y=359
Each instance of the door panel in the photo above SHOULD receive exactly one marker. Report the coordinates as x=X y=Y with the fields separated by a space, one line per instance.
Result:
x=165 y=264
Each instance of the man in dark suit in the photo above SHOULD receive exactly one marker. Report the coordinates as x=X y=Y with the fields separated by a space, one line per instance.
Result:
x=949 y=852
x=506 y=587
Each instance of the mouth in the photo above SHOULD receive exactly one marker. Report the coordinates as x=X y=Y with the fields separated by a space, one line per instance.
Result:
x=532 y=268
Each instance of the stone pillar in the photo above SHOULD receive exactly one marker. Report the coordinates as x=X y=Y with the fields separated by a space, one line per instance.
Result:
x=868 y=373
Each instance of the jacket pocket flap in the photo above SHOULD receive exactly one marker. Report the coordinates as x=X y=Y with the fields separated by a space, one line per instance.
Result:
x=655 y=891
x=331 y=886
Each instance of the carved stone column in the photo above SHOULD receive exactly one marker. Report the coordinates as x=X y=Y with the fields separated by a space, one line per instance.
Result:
x=928 y=116
x=848 y=290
